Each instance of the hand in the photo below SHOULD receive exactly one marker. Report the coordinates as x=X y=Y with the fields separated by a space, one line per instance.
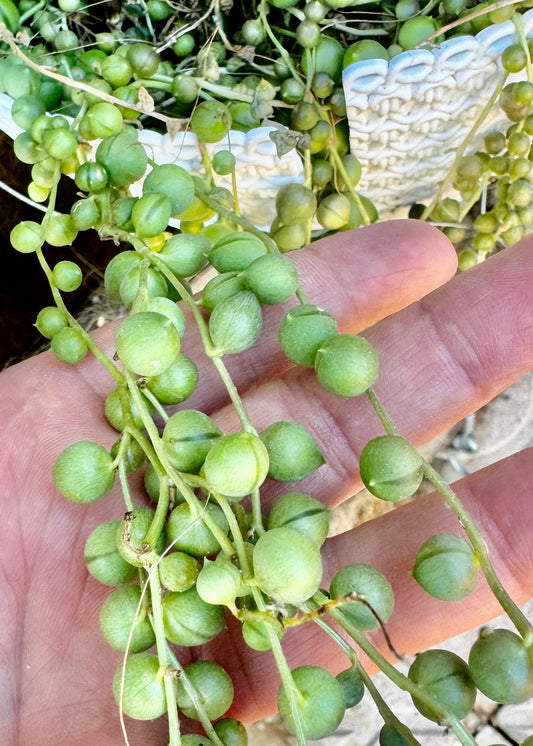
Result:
x=444 y=352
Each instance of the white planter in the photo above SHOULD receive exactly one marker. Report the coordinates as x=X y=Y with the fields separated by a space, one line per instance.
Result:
x=408 y=116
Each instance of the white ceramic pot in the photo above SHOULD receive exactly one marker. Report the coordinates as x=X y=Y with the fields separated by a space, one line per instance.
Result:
x=408 y=116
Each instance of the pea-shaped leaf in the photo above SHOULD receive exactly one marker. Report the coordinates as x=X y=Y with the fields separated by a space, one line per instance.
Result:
x=174 y=182
x=321 y=704
x=445 y=676
x=352 y=685
x=236 y=464
x=236 y=252
x=188 y=437
x=390 y=467
x=147 y=343
x=124 y=158
x=124 y=621
x=143 y=695
x=83 y=472
x=220 y=582
x=221 y=287
x=185 y=253
x=292 y=451
x=190 y=534
x=302 y=513
x=502 y=666
x=302 y=331
x=189 y=620
x=446 y=568
x=272 y=278
x=213 y=686
x=236 y=322
x=103 y=559
x=287 y=565
x=346 y=364
x=178 y=571
x=377 y=597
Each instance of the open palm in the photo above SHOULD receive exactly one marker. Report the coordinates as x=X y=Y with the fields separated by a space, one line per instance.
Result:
x=446 y=345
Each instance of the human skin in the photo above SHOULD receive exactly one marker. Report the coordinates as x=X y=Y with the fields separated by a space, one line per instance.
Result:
x=447 y=344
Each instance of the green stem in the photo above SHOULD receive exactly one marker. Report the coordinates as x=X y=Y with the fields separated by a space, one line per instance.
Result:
x=124 y=483
x=257 y=513
x=195 y=699
x=479 y=545
x=153 y=435
x=293 y=693
x=32 y=11
x=355 y=196
x=58 y=299
x=208 y=345
x=237 y=536
x=522 y=624
x=402 y=681
x=154 y=401
x=522 y=40
x=285 y=56
x=383 y=708
x=379 y=409
x=160 y=516
x=164 y=658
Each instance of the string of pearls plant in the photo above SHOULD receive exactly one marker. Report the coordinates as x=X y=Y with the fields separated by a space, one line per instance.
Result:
x=206 y=548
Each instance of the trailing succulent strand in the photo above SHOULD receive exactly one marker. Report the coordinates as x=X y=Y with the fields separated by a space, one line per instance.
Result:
x=207 y=546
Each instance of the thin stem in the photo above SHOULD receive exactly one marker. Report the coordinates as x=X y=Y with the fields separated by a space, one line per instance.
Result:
x=208 y=345
x=285 y=56
x=58 y=299
x=522 y=40
x=383 y=708
x=379 y=409
x=257 y=513
x=154 y=401
x=522 y=624
x=163 y=655
x=195 y=699
x=124 y=485
x=153 y=434
x=355 y=196
x=291 y=690
x=237 y=536
x=402 y=681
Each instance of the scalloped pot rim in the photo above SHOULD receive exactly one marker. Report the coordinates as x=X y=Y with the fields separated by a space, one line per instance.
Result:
x=453 y=54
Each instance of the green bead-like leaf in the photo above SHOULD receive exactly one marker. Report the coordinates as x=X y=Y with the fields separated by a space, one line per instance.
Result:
x=390 y=467
x=445 y=676
x=235 y=323
x=236 y=464
x=292 y=451
x=446 y=567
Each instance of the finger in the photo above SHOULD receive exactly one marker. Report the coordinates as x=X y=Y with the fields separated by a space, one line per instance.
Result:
x=440 y=359
x=358 y=276
x=498 y=498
